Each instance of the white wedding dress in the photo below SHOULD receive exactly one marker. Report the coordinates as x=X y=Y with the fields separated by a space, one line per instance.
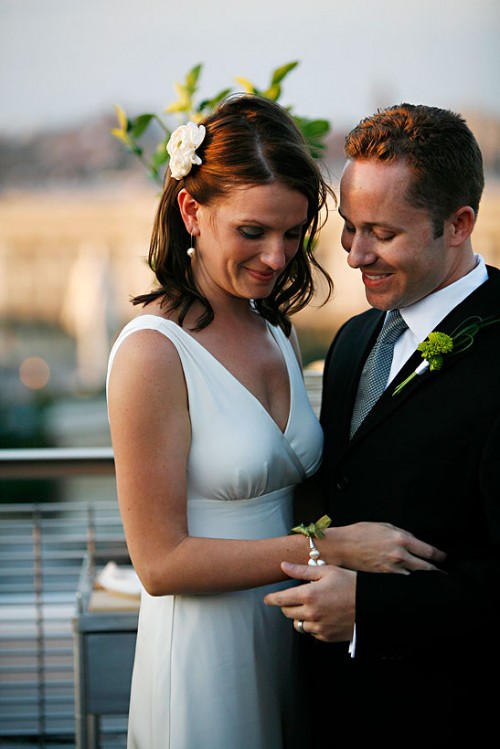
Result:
x=218 y=671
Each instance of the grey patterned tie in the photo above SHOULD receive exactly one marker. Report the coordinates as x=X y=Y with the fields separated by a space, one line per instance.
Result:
x=375 y=373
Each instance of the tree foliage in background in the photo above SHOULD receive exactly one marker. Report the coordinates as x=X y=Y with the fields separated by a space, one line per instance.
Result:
x=185 y=108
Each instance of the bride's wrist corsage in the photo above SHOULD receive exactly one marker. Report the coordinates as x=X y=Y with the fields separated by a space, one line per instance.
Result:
x=312 y=531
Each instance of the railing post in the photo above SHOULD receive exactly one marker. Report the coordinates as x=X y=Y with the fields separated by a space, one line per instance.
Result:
x=40 y=644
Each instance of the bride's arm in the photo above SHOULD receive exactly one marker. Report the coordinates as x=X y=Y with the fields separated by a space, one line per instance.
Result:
x=151 y=437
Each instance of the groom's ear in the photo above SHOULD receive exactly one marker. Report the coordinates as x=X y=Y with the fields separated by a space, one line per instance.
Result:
x=188 y=207
x=461 y=225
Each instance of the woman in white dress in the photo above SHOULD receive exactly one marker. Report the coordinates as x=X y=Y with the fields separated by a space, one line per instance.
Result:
x=212 y=430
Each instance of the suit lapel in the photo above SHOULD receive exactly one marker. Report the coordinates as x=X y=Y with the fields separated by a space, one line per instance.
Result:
x=483 y=302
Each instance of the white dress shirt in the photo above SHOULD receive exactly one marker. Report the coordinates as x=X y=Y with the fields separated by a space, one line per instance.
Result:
x=423 y=316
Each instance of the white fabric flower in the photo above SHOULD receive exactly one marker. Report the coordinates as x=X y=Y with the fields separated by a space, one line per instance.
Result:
x=182 y=148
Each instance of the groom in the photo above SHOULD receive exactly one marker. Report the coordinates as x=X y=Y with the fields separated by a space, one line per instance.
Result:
x=424 y=664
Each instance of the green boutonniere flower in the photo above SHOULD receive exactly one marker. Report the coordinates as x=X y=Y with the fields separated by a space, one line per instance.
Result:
x=433 y=349
x=437 y=345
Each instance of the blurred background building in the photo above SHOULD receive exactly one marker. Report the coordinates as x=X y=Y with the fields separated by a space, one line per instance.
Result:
x=73 y=250
x=76 y=209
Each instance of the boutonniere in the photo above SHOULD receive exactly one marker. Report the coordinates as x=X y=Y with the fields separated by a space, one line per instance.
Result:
x=438 y=345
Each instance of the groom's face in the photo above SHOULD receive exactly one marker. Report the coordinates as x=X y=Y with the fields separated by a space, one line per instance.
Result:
x=388 y=239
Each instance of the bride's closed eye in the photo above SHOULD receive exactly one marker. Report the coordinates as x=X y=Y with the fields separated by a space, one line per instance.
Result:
x=251 y=232
x=256 y=232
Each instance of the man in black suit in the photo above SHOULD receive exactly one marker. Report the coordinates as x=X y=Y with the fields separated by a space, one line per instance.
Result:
x=424 y=660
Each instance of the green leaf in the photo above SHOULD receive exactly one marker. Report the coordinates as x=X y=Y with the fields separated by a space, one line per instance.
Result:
x=300 y=529
x=185 y=91
x=314 y=131
x=208 y=105
x=314 y=530
x=177 y=107
x=247 y=85
x=318 y=528
x=313 y=128
x=160 y=156
x=183 y=102
x=280 y=73
x=140 y=124
x=324 y=521
x=192 y=78
x=273 y=92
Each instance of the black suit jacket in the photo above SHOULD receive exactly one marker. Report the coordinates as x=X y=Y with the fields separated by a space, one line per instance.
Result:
x=427 y=460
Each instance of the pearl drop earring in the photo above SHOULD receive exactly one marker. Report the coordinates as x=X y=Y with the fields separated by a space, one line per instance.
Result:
x=191 y=250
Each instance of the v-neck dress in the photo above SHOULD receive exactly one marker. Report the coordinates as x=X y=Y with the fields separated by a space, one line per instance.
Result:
x=219 y=671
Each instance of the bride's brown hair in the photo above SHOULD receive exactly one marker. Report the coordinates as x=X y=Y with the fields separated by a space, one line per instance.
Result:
x=249 y=140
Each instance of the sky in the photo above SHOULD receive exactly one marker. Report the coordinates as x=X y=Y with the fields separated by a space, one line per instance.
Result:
x=68 y=61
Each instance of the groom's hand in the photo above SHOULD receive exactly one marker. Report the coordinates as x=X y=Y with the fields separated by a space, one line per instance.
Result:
x=327 y=608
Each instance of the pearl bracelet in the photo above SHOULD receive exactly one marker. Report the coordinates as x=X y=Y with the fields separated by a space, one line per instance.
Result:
x=314 y=554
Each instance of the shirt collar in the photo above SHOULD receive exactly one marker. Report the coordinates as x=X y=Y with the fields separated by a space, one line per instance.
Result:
x=423 y=316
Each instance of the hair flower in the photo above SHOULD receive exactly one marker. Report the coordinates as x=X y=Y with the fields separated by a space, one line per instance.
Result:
x=437 y=345
x=182 y=146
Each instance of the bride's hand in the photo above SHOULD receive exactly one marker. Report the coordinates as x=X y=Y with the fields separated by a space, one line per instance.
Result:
x=379 y=547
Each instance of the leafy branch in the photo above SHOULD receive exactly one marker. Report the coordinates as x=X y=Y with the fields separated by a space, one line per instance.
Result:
x=131 y=131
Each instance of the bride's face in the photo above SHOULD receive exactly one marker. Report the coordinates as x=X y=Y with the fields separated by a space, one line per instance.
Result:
x=245 y=240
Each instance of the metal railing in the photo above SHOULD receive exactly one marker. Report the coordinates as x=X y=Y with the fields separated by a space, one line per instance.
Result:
x=56 y=462
x=42 y=550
